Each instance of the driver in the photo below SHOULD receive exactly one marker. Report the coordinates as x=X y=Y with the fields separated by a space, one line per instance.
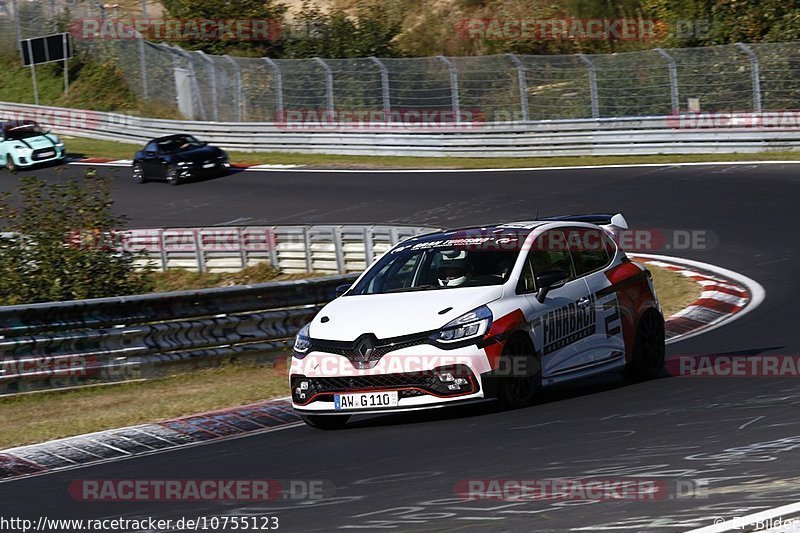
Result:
x=454 y=271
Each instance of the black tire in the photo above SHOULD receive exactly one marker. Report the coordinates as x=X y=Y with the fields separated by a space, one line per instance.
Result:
x=138 y=173
x=326 y=422
x=648 y=348
x=10 y=165
x=520 y=376
x=173 y=177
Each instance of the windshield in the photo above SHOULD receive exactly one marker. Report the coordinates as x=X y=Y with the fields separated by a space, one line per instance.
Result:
x=404 y=270
x=23 y=131
x=177 y=144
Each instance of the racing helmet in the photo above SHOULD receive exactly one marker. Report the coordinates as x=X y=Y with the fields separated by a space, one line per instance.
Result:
x=454 y=269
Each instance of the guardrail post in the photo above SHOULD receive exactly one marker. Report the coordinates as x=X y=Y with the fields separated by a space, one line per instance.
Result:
x=307 y=245
x=337 y=247
x=242 y=246
x=199 y=252
x=213 y=78
x=276 y=70
x=328 y=85
x=385 y=93
x=272 y=247
x=369 y=249
x=673 y=80
x=755 y=75
x=237 y=87
x=523 y=86
x=455 y=100
x=163 y=250
x=592 y=84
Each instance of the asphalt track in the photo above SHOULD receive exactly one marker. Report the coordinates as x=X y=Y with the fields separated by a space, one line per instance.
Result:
x=741 y=435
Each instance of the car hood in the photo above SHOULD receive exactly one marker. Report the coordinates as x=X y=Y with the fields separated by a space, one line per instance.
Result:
x=397 y=314
x=41 y=141
x=198 y=154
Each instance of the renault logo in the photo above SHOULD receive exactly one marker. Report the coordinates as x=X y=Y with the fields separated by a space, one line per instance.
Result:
x=364 y=349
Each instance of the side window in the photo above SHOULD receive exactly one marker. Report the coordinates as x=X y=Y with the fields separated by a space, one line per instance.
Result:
x=589 y=248
x=549 y=252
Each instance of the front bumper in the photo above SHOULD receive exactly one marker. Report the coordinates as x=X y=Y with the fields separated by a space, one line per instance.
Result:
x=412 y=372
x=41 y=156
x=199 y=171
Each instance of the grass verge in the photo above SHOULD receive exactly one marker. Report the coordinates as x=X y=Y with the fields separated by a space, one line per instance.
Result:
x=38 y=417
x=117 y=150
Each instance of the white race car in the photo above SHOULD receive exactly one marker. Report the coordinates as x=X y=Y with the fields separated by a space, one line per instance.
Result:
x=488 y=312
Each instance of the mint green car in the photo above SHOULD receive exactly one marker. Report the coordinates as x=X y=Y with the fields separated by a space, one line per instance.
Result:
x=23 y=144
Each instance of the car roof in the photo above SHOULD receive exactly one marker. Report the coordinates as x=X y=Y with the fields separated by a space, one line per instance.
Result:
x=16 y=124
x=171 y=137
x=519 y=230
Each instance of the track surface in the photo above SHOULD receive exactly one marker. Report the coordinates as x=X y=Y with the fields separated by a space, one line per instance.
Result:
x=401 y=471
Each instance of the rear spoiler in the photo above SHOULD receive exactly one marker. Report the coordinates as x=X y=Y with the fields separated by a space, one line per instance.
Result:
x=612 y=224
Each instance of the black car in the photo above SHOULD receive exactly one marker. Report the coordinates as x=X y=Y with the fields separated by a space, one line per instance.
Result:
x=178 y=158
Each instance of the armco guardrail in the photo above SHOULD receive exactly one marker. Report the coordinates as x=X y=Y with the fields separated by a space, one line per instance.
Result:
x=55 y=345
x=329 y=249
x=679 y=134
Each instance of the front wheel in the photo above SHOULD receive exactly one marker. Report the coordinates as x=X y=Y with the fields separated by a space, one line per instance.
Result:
x=9 y=164
x=325 y=421
x=520 y=376
x=138 y=173
x=648 y=348
x=173 y=176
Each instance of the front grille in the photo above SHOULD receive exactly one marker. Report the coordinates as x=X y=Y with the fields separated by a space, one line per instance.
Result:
x=43 y=153
x=381 y=346
x=408 y=384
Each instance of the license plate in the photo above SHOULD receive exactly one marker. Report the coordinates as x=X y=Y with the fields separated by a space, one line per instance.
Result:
x=367 y=400
x=46 y=154
x=209 y=165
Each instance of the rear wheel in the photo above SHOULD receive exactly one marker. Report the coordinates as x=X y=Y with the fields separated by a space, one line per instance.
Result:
x=173 y=176
x=521 y=377
x=326 y=421
x=648 y=348
x=138 y=173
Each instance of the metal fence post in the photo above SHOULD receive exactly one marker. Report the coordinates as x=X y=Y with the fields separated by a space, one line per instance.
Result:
x=237 y=87
x=385 y=93
x=455 y=100
x=276 y=70
x=673 y=79
x=523 y=86
x=17 y=31
x=754 y=74
x=592 y=84
x=213 y=77
x=328 y=84
x=142 y=60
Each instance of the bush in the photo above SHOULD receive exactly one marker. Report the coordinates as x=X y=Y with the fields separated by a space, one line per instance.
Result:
x=61 y=244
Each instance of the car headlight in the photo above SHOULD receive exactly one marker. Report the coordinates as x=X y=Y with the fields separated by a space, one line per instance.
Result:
x=184 y=163
x=22 y=149
x=470 y=325
x=302 y=343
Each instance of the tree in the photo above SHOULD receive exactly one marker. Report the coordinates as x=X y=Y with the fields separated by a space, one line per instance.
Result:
x=61 y=244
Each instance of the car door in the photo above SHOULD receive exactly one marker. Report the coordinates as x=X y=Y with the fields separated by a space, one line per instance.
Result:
x=153 y=161
x=564 y=318
x=592 y=251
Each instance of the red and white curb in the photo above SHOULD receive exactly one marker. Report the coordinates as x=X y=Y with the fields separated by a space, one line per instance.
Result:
x=725 y=296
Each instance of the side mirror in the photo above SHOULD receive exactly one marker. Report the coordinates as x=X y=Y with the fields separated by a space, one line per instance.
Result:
x=341 y=289
x=548 y=280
